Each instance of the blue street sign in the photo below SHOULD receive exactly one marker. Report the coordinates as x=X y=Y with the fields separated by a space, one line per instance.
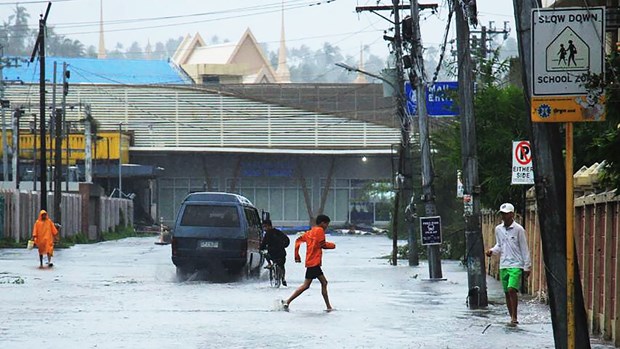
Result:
x=438 y=100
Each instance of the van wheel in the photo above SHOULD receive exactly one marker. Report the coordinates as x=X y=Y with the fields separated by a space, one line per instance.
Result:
x=183 y=273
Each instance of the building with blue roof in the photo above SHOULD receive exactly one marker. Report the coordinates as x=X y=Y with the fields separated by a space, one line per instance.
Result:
x=101 y=71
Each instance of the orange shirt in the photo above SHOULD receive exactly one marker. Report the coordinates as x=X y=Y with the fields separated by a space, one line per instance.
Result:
x=315 y=243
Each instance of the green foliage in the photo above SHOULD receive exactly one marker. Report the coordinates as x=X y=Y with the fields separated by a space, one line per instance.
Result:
x=501 y=117
x=18 y=39
x=600 y=141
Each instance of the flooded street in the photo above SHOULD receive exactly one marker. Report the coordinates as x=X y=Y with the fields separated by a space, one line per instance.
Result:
x=124 y=294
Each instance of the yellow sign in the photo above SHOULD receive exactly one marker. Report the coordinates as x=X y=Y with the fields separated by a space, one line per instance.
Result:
x=568 y=108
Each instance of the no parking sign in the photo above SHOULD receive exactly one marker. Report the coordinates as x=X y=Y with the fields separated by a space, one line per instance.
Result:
x=522 y=171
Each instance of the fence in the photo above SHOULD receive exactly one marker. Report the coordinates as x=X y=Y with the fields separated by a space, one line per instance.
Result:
x=21 y=209
x=597 y=226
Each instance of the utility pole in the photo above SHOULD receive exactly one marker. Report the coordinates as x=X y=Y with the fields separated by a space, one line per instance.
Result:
x=58 y=122
x=52 y=131
x=418 y=81
x=474 y=245
x=88 y=158
x=547 y=156
x=404 y=130
x=486 y=36
x=5 y=62
x=15 y=149
x=120 y=160
x=65 y=90
x=40 y=48
x=405 y=190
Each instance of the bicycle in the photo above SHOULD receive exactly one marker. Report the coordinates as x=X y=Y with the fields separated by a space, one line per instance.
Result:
x=276 y=272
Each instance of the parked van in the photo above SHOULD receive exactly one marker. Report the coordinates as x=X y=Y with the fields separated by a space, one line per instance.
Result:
x=215 y=232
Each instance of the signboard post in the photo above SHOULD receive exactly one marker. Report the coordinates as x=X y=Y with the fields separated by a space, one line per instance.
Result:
x=567 y=48
x=430 y=229
x=522 y=171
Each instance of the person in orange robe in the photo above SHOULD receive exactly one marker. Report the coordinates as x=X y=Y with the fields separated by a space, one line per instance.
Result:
x=44 y=235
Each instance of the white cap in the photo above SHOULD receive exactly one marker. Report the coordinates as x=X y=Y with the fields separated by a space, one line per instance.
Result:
x=506 y=208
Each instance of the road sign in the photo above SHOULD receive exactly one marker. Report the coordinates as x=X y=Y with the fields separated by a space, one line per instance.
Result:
x=439 y=100
x=430 y=229
x=522 y=171
x=567 y=46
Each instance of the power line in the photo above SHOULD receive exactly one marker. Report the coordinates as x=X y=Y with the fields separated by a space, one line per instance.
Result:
x=234 y=14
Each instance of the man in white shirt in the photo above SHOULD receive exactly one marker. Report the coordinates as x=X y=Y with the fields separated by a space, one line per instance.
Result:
x=514 y=261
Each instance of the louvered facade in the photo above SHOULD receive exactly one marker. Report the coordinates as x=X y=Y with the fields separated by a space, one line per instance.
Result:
x=187 y=119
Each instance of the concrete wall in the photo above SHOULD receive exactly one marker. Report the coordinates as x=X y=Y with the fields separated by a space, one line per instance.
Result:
x=21 y=209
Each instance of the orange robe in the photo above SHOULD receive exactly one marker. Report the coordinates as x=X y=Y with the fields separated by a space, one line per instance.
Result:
x=43 y=234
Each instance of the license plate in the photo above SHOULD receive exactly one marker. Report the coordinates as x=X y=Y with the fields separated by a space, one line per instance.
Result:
x=209 y=244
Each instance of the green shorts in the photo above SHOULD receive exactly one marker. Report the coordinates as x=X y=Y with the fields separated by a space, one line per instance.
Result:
x=511 y=278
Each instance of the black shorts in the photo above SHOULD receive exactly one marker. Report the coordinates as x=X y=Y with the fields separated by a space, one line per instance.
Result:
x=313 y=272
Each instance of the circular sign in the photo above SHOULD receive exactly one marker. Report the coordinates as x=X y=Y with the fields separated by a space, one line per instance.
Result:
x=523 y=153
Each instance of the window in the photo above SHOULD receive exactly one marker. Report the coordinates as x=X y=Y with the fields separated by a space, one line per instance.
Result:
x=210 y=216
x=210 y=79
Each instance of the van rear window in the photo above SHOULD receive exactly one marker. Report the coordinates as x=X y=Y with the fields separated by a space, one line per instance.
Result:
x=210 y=216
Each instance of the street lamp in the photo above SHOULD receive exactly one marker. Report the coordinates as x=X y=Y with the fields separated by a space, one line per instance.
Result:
x=379 y=77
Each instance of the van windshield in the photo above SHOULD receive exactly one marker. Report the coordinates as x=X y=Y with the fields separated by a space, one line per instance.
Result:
x=210 y=216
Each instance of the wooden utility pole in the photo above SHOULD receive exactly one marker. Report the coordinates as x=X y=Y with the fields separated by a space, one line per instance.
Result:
x=39 y=48
x=474 y=245
x=547 y=156
x=418 y=81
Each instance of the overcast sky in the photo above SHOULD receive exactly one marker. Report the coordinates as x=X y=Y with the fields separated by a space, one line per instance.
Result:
x=309 y=22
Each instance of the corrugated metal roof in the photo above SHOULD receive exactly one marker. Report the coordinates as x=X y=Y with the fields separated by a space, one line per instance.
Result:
x=177 y=118
x=100 y=71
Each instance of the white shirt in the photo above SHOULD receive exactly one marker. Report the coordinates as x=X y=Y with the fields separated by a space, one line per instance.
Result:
x=511 y=245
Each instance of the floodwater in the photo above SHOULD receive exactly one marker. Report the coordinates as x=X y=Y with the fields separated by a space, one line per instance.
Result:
x=124 y=294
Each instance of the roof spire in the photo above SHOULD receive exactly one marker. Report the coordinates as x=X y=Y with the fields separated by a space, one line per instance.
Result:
x=284 y=76
x=101 y=54
x=361 y=78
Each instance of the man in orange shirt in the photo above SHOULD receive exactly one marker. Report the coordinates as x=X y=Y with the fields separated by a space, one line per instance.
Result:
x=315 y=243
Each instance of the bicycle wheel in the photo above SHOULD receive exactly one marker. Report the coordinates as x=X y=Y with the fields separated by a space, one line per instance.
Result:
x=271 y=277
x=278 y=276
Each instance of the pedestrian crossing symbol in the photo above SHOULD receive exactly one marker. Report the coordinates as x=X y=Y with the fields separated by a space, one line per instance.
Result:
x=568 y=52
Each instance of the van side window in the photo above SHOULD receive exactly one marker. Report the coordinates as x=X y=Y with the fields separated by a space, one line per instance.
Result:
x=253 y=220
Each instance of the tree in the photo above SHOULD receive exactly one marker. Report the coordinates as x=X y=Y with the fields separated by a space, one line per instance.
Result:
x=134 y=51
x=172 y=45
x=601 y=140
x=61 y=46
x=118 y=51
x=500 y=119
x=16 y=37
x=160 y=51
x=91 y=52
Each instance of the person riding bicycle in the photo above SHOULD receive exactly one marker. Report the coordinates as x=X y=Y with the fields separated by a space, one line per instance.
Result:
x=275 y=242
